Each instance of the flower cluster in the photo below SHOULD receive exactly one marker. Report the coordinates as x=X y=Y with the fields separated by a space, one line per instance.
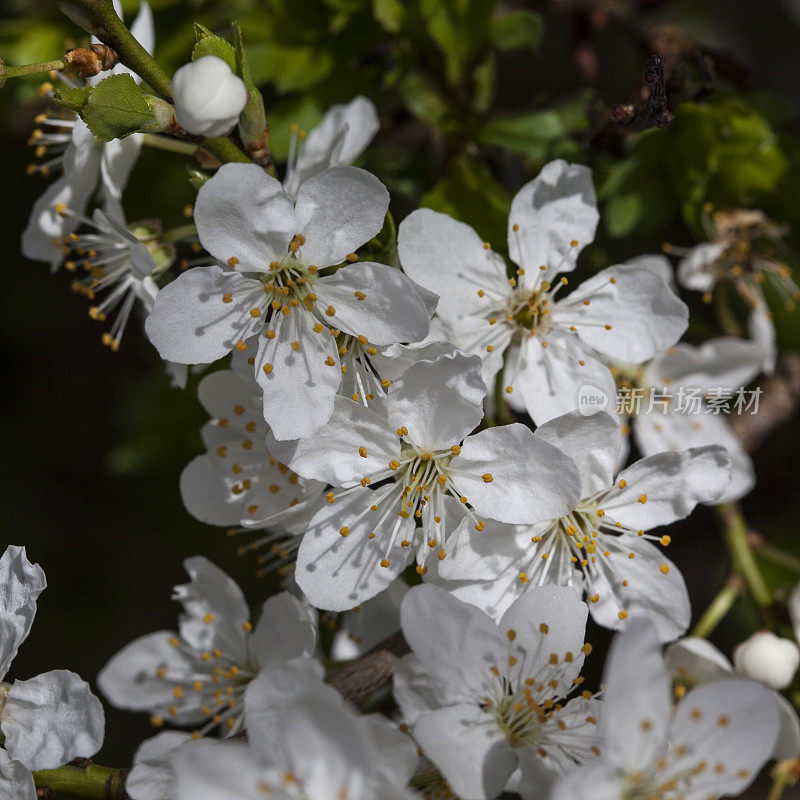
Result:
x=401 y=433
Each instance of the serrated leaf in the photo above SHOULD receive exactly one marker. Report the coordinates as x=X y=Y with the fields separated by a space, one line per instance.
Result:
x=73 y=99
x=116 y=108
x=517 y=29
x=209 y=44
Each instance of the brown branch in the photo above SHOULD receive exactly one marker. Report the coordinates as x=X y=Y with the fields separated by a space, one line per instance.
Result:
x=778 y=403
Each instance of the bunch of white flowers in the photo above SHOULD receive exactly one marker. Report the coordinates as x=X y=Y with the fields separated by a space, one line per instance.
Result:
x=354 y=432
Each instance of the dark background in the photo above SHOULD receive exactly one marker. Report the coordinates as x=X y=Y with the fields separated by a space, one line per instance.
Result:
x=93 y=442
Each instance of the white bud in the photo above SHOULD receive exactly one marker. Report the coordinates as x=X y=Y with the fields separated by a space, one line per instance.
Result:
x=208 y=97
x=766 y=658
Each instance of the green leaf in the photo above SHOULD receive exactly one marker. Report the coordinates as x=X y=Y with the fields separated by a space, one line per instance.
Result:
x=253 y=119
x=535 y=133
x=422 y=100
x=73 y=99
x=460 y=29
x=623 y=213
x=517 y=29
x=116 y=108
x=209 y=44
x=469 y=193
x=389 y=14
x=290 y=67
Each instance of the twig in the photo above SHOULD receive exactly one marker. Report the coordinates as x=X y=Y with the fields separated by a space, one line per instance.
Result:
x=735 y=534
x=83 y=779
x=779 y=402
x=654 y=112
x=719 y=607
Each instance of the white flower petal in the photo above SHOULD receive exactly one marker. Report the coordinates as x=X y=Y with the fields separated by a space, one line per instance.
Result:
x=439 y=402
x=21 y=583
x=396 y=751
x=636 y=698
x=338 y=572
x=592 y=442
x=695 y=660
x=351 y=427
x=549 y=620
x=51 y=719
x=448 y=258
x=151 y=777
x=74 y=189
x=722 y=363
x=557 y=207
x=478 y=555
x=455 y=642
x=243 y=213
x=208 y=769
x=339 y=210
x=299 y=372
x=130 y=681
x=530 y=479
x=788 y=744
x=116 y=162
x=658 y=264
x=695 y=270
x=191 y=323
x=16 y=782
x=284 y=631
x=762 y=331
x=666 y=487
x=211 y=591
x=595 y=781
x=388 y=311
x=647 y=583
x=554 y=380
x=341 y=137
x=733 y=723
x=417 y=691
x=271 y=696
x=631 y=315
x=469 y=748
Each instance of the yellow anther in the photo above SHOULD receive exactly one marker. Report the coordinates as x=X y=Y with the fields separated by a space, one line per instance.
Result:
x=362 y=451
x=330 y=311
x=487 y=477
x=642 y=498
x=255 y=313
x=359 y=295
x=267 y=368
x=385 y=562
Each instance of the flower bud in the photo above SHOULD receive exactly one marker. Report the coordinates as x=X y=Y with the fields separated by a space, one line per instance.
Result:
x=766 y=658
x=208 y=97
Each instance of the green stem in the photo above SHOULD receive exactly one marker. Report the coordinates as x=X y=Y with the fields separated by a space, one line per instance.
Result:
x=777 y=556
x=502 y=414
x=30 y=69
x=181 y=232
x=425 y=778
x=87 y=782
x=780 y=781
x=735 y=534
x=224 y=150
x=117 y=36
x=169 y=144
x=718 y=608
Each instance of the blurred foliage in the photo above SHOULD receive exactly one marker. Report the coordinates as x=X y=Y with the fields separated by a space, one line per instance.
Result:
x=473 y=96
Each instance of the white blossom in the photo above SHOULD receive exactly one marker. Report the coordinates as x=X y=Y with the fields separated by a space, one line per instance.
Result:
x=320 y=751
x=486 y=699
x=416 y=464
x=67 y=144
x=680 y=381
x=712 y=745
x=273 y=288
x=238 y=480
x=767 y=658
x=602 y=545
x=208 y=96
x=692 y=661
x=197 y=678
x=547 y=347
x=339 y=139
x=47 y=720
